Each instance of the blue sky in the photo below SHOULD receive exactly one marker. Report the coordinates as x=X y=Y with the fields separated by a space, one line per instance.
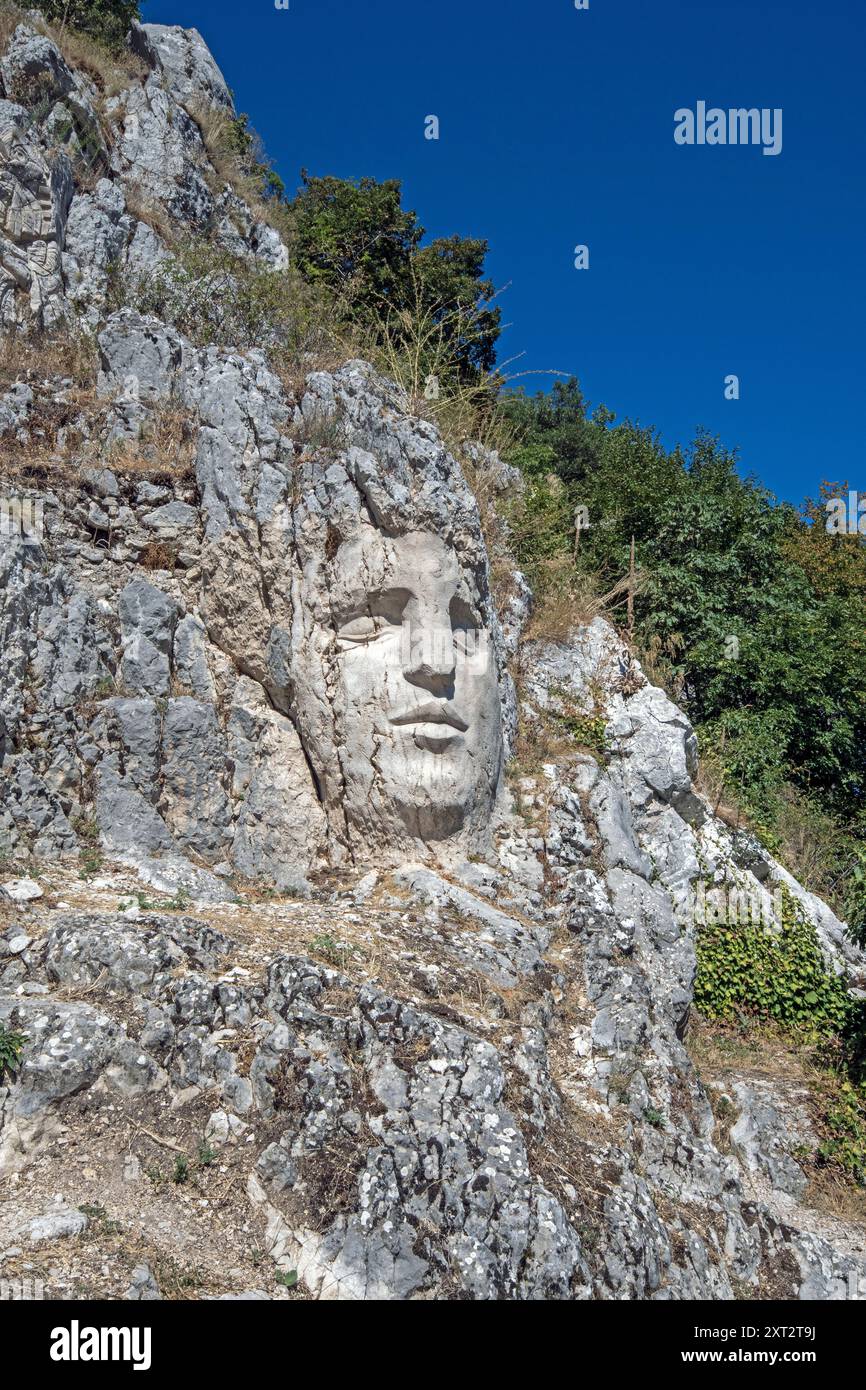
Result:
x=556 y=128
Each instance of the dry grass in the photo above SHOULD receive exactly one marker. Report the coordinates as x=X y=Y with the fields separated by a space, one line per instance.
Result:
x=216 y=127
x=564 y=600
x=721 y=1052
x=415 y=350
x=55 y=442
x=540 y=740
x=720 y=1048
x=10 y=17
x=36 y=357
x=228 y=166
x=712 y=783
x=42 y=457
x=110 y=73
x=337 y=345
x=147 y=210
x=830 y=1192
x=166 y=448
x=157 y=556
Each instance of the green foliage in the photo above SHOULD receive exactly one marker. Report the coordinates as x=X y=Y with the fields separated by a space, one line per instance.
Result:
x=333 y=951
x=91 y=862
x=755 y=613
x=855 y=898
x=11 y=1044
x=179 y=903
x=109 y=21
x=845 y=1121
x=288 y=1278
x=776 y=976
x=354 y=238
x=586 y=727
x=242 y=142
x=654 y=1117
x=752 y=974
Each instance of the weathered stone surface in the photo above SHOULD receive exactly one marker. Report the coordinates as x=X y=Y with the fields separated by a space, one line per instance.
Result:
x=55 y=1225
x=21 y=890
x=69 y=1048
x=280 y=830
x=159 y=149
x=102 y=240
x=188 y=66
x=446 y=1049
x=148 y=618
x=766 y=1137
x=190 y=658
x=34 y=202
x=143 y=1288
x=196 y=807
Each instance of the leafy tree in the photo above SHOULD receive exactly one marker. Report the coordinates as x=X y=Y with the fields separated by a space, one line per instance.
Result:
x=109 y=21
x=761 y=611
x=354 y=237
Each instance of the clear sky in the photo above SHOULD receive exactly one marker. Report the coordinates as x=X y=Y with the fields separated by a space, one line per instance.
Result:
x=557 y=129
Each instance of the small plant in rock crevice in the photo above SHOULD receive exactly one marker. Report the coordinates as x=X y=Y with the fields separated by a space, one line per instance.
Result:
x=11 y=1045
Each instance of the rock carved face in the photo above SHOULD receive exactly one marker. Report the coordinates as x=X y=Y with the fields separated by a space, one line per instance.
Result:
x=413 y=684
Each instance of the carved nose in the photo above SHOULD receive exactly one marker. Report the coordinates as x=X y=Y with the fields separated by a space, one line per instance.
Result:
x=429 y=654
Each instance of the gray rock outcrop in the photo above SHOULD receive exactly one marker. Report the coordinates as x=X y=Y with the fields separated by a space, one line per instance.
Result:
x=422 y=1021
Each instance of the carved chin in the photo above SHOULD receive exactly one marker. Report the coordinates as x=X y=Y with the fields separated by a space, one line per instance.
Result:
x=430 y=815
x=434 y=788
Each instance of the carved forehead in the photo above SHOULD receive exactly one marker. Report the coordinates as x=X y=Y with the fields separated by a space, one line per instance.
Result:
x=418 y=561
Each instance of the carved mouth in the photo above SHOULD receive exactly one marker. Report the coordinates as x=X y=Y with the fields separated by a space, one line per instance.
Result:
x=432 y=712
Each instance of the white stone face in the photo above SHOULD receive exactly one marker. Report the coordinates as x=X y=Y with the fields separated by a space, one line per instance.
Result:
x=416 y=698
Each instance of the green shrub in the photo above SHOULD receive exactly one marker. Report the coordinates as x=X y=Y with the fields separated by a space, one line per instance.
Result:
x=354 y=238
x=845 y=1121
x=780 y=977
x=777 y=976
x=109 y=21
x=748 y=611
x=588 y=730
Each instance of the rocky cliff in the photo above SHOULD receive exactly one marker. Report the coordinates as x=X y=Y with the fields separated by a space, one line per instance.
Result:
x=311 y=976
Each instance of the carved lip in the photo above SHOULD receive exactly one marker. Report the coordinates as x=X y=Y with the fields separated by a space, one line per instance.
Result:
x=431 y=712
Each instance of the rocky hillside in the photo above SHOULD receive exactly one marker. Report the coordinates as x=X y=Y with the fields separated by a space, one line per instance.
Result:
x=309 y=987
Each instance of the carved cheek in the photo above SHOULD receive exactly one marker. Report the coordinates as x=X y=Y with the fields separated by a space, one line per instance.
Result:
x=371 y=674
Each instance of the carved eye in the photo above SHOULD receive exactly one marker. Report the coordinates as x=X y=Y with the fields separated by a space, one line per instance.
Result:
x=381 y=617
x=466 y=628
x=363 y=629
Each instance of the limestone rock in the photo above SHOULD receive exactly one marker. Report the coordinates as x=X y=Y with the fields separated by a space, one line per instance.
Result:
x=148 y=618
x=21 y=890
x=34 y=202
x=436 y=1022
x=191 y=74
